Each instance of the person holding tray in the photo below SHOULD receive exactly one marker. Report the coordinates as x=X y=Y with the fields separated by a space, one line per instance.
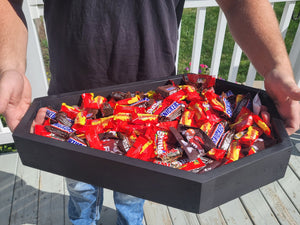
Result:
x=102 y=42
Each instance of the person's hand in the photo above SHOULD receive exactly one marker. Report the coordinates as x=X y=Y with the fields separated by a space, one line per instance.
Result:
x=39 y=118
x=285 y=93
x=15 y=97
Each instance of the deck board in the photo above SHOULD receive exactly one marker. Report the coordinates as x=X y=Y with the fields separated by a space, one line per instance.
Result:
x=108 y=213
x=8 y=166
x=30 y=196
x=213 y=216
x=51 y=199
x=66 y=199
x=25 y=200
x=294 y=164
x=180 y=217
x=291 y=186
x=259 y=215
x=234 y=213
x=156 y=214
x=281 y=205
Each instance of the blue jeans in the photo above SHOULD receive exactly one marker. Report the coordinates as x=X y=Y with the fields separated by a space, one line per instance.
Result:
x=86 y=201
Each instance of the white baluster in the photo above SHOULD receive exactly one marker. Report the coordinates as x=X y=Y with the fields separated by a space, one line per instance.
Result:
x=218 y=46
x=235 y=63
x=198 y=39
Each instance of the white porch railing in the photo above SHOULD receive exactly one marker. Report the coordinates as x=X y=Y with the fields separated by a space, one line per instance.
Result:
x=36 y=71
x=201 y=6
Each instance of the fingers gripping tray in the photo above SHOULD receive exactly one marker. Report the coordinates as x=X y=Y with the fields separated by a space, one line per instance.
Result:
x=173 y=187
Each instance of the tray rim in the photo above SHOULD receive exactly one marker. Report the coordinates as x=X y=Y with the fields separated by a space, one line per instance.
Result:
x=284 y=142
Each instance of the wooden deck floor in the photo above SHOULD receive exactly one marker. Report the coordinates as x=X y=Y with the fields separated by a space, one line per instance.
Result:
x=30 y=196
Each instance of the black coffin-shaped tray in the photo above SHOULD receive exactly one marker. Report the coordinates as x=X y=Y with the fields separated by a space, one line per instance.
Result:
x=180 y=189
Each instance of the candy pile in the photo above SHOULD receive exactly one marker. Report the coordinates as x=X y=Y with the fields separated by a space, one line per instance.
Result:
x=187 y=126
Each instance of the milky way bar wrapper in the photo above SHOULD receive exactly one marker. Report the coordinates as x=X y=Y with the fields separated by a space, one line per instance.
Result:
x=119 y=95
x=108 y=135
x=212 y=164
x=167 y=90
x=226 y=139
x=197 y=137
x=190 y=151
x=62 y=118
x=204 y=140
x=106 y=109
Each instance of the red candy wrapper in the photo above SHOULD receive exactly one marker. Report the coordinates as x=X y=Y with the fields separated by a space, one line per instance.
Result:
x=234 y=151
x=266 y=117
x=216 y=153
x=199 y=112
x=187 y=118
x=81 y=118
x=196 y=164
x=243 y=120
x=142 y=149
x=178 y=96
x=91 y=102
x=191 y=93
x=211 y=114
x=138 y=118
x=129 y=101
x=212 y=98
x=93 y=138
x=167 y=124
x=207 y=126
x=251 y=136
x=205 y=81
x=262 y=125
x=40 y=130
x=71 y=111
x=128 y=109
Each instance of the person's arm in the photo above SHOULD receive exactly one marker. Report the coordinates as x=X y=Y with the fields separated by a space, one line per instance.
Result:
x=15 y=90
x=255 y=28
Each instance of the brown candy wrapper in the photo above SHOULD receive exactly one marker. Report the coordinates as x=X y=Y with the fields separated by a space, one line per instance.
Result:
x=167 y=90
x=190 y=151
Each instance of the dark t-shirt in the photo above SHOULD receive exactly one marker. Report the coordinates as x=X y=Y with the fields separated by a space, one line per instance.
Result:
x=98 y=43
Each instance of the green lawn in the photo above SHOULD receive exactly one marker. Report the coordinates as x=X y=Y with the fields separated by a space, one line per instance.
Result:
x=9 y=147
x=187 y=33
